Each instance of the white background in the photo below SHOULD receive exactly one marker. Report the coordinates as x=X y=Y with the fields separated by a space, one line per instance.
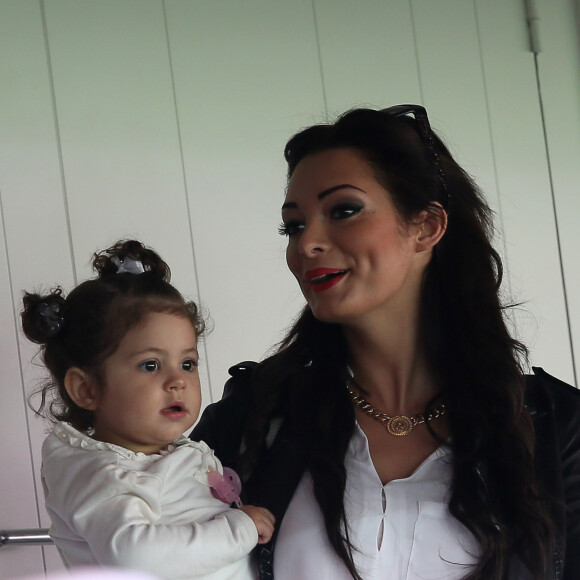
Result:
x=166 y=120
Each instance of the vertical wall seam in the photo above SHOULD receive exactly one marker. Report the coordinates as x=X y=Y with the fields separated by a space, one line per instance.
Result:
x=533 y=24
x=555 y=214
x=320 y=64
x=184 y=178
x=58 y=140
x=492 y=146
x=416 y=45
x=20 y=366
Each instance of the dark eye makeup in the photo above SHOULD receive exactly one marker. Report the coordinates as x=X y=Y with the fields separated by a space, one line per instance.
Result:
x=345 y=210
x=341 y=211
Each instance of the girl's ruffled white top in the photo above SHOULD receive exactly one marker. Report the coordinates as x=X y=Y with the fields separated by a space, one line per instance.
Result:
x=113 y=507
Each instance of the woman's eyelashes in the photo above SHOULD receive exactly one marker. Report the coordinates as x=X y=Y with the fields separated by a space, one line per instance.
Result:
x=290 y=228
x=341 y=211
x=152 y=365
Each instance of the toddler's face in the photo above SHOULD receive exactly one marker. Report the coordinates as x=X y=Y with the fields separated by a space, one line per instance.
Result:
x=151 y=392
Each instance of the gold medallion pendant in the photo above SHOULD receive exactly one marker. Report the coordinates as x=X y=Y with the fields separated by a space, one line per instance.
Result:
x=399 y=425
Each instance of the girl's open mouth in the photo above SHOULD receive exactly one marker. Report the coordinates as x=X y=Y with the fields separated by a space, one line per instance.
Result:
x=175 y=411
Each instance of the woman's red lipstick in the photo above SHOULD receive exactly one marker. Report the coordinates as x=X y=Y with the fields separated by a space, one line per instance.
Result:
x=322 y=279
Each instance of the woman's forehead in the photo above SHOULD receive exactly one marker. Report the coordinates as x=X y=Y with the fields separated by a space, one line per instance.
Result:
x=320 y=172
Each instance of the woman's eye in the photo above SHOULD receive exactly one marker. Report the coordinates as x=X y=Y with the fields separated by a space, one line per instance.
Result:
x=345 y=211
x=189 y=365
x=290 y=228
x=149 y=366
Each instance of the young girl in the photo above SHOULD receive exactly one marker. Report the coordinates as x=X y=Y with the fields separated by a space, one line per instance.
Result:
x=123 y=487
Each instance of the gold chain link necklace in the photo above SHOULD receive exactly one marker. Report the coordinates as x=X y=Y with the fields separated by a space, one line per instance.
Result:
x=399 y=425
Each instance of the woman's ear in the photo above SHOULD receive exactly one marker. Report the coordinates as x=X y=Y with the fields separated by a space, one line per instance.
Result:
x=432 y=226
x=81 y=388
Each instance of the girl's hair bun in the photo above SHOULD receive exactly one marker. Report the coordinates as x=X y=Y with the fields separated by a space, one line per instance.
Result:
x=42 y=316
x=106 y=262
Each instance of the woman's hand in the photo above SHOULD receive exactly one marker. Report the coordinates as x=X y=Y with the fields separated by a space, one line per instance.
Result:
x=264 y=521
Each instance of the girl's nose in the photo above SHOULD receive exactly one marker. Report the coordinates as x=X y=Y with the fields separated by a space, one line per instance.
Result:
x=174 y=384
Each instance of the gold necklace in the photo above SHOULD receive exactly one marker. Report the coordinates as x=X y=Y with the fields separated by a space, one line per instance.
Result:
x=399 y=425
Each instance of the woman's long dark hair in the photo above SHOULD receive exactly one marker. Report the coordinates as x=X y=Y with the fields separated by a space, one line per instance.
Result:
x=472 y=355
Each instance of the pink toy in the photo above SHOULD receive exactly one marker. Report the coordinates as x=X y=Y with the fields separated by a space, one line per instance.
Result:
x=226 y=487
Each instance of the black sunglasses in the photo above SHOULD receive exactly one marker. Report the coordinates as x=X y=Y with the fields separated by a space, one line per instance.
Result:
x=426 y=133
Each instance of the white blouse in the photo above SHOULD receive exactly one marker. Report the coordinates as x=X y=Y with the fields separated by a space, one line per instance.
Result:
x=401 y=530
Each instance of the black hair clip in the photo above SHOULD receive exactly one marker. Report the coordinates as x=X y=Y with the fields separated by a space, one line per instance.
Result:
x=51 y=319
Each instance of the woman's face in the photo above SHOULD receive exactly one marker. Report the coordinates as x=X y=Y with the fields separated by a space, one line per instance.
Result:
x=352 y=255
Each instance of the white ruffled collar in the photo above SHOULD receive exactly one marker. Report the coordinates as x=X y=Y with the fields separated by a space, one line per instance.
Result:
x=75 y=438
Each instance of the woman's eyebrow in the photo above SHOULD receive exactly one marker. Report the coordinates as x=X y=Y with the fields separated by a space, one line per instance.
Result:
x=325 y=192
x=330 y=190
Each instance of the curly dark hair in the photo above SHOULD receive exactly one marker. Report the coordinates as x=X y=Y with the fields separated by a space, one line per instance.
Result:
x=471 y=354
x=87 y=326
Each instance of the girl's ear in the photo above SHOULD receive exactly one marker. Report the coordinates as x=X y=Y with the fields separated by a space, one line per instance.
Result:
x=433 y=224
x=81 y=388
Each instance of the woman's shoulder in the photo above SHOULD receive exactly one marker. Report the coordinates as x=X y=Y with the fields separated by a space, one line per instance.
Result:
x=222 y=422
x=239 y=383
x=236 y=398
x=547 y=395
x=237 y=393
x=558 y=391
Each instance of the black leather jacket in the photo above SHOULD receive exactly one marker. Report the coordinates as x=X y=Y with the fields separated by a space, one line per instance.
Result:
x=553 y=405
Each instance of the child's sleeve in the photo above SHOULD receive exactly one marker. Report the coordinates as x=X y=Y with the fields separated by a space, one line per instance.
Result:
x=121 y=534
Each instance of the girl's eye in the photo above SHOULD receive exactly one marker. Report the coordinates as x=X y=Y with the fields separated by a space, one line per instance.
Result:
x=149 y=366
x=290 y=228
x=189 y=365
x=345 y=211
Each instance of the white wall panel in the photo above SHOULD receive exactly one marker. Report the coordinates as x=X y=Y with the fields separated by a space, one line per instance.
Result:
x=118 y=127
x=18 y=504
x=247 y=77
x=453 y=84
x=368 y=53
x=37 y=256
x=481 y=81
x=559 y=67
x=523 y=180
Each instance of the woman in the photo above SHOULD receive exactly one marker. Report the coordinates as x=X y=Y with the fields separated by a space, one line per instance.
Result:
x=394 y=433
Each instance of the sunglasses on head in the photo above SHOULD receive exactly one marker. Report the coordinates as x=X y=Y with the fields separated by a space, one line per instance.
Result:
x=426 y=134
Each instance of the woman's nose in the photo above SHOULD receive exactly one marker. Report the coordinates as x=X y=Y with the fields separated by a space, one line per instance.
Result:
x=313 y=240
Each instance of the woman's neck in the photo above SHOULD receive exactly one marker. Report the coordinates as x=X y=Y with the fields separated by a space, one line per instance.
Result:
x=388 y=363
